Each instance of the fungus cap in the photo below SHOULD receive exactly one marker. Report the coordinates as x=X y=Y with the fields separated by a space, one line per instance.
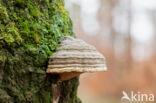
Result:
x=74 y=56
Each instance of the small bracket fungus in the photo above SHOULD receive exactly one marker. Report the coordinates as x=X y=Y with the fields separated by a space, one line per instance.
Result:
x=74 y=56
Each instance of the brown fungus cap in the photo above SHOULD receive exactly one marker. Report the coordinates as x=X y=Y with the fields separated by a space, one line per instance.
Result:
x=74 y=56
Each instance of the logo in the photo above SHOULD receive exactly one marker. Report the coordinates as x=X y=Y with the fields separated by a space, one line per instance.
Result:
x=137 y=97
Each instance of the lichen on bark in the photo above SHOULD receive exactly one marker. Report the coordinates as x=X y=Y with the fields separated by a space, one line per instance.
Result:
x=30 y=31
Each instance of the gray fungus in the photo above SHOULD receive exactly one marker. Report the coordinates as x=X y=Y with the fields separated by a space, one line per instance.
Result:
x=75 y=56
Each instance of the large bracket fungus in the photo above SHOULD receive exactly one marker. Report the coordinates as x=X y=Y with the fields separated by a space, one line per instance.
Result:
x=74 y=56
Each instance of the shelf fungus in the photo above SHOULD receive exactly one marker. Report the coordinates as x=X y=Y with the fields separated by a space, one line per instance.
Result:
x=74 y=56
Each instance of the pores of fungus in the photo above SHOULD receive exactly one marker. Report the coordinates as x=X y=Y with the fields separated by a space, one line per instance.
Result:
x=73 y=57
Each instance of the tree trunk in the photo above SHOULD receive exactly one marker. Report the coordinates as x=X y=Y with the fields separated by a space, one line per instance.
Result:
x=30 y=31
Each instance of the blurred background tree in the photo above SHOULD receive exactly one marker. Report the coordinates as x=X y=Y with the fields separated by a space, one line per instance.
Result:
x=124 y=31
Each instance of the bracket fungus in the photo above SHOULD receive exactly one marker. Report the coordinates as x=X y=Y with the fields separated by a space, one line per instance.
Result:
x=75 y=56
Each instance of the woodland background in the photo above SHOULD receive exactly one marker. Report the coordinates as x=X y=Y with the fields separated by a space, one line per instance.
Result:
x=124 y=32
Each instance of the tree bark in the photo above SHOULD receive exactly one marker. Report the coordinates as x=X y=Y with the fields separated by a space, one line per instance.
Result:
x=30 y=31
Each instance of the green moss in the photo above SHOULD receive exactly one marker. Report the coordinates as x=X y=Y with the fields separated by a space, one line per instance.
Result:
x=69 y=95
x=30 y=31
x=2 y=61
x=3 y=13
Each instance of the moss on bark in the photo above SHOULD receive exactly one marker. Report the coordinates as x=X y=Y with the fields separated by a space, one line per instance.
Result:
x=30 y=31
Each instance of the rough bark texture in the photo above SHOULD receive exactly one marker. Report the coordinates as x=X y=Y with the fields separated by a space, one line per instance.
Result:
x=30 y=31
